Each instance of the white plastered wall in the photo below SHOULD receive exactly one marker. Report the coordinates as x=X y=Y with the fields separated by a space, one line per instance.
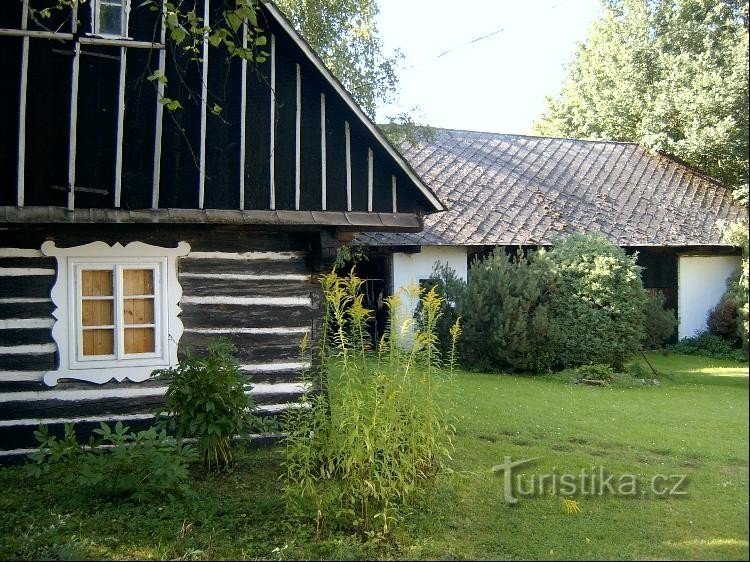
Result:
x=702 y=280
x=408 y=269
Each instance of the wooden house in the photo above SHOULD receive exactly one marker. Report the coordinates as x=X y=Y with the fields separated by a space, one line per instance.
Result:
x=129 y=232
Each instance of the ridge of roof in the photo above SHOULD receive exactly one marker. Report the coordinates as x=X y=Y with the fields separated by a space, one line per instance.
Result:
x=545 y=137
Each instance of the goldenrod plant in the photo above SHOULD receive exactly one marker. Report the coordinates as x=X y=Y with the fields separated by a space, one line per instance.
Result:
x=372 y=429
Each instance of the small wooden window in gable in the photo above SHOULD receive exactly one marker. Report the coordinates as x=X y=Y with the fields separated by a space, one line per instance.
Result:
x=110 y=17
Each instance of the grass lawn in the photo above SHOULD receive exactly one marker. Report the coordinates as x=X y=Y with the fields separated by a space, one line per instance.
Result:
x=695 y=423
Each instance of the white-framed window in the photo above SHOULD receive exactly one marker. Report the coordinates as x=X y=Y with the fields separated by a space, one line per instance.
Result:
x=116 y=309
x=119 y=311
x=110 y=17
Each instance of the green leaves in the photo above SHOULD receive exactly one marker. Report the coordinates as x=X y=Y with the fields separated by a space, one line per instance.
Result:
x=115 y=463
x=373 y=439
x=206 y=400
x=669 y=75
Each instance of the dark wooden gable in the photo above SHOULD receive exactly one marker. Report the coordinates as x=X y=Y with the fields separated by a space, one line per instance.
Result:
x=84 y=128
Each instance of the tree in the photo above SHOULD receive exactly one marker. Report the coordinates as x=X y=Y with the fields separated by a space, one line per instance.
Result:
x=344 y=34
x=668 y=74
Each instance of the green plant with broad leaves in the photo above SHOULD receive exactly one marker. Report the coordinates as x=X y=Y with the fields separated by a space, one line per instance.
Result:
x=116 y=462
x=372 y=430
x=207 y=400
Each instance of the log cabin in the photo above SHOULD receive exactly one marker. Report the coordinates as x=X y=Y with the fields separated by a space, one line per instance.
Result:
x=130 y=231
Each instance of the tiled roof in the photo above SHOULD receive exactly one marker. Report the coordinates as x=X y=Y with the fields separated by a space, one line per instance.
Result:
x=516 y=189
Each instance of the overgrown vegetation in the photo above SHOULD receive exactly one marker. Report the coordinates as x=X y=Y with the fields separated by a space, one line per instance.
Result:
x=206 y=400
x=581 y=303
x=115 y=463
x=659 y=322
x=738 y=291
x=694 y=423
x=371 y=438
x=594 y=373
x=709 y=345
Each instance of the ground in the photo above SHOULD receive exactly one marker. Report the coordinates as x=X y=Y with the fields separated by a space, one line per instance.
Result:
x=694 y=423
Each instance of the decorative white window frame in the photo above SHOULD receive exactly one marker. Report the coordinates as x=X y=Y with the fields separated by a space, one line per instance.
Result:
x=124 y=22
x=102 y=369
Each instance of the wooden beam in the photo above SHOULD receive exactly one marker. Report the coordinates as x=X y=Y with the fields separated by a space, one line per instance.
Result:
x=323 y=163
x=298 y=142
x=21 y=166
x=204 y=107
x=120 y=124
x=369 y=180
x=393 y=193
x=159 y=113
x=37 y=34
x=243 y=113
x=73 y=112
x=272 y=155
x=348 y=135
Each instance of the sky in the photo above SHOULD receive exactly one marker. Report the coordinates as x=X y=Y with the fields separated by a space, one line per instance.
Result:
x=495 y=84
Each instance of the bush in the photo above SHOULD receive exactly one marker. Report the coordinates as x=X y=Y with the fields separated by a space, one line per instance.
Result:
x=723 y=319
x=372 y=438
x=505 y=314
x=206 y=400
x=659 y=324
x=709 y=345
x=143 y=465
x=737 y=235
x=598 y=307
x=452 y=290
x=594 y=373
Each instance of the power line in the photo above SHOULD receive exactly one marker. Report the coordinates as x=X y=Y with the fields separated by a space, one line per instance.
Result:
x=474 y=41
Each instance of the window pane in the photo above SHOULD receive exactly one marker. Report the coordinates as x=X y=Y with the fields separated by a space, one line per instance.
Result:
x=138 y=311
x=96 y=283
x=139 y=340
x=110 y=20
x=137 y=281
x=97 y=313
x=98 y=342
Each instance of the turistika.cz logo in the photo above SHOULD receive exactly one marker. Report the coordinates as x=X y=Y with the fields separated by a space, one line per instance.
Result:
x=591 y=481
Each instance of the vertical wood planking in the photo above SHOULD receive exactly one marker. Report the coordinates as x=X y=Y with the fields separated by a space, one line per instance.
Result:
x=73 y=111
x=159 y=112
x=393 y=193
x=348 y=137
x=243 y=113
x=20 y=170
x=119 y=129
x=369 y=180
x=204 y=107
x=272 y=158
x=323 y=179
x=298 y=142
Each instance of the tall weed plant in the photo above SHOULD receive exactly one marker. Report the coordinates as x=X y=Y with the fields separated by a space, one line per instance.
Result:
x=372 y=429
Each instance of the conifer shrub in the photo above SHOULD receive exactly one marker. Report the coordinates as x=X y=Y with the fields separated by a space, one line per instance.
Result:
x=598 y=306
x=506 y=311
x=660 y=322
x=452 y=290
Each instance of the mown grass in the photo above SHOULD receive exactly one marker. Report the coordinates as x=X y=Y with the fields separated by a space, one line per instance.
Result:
x=695 y=422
